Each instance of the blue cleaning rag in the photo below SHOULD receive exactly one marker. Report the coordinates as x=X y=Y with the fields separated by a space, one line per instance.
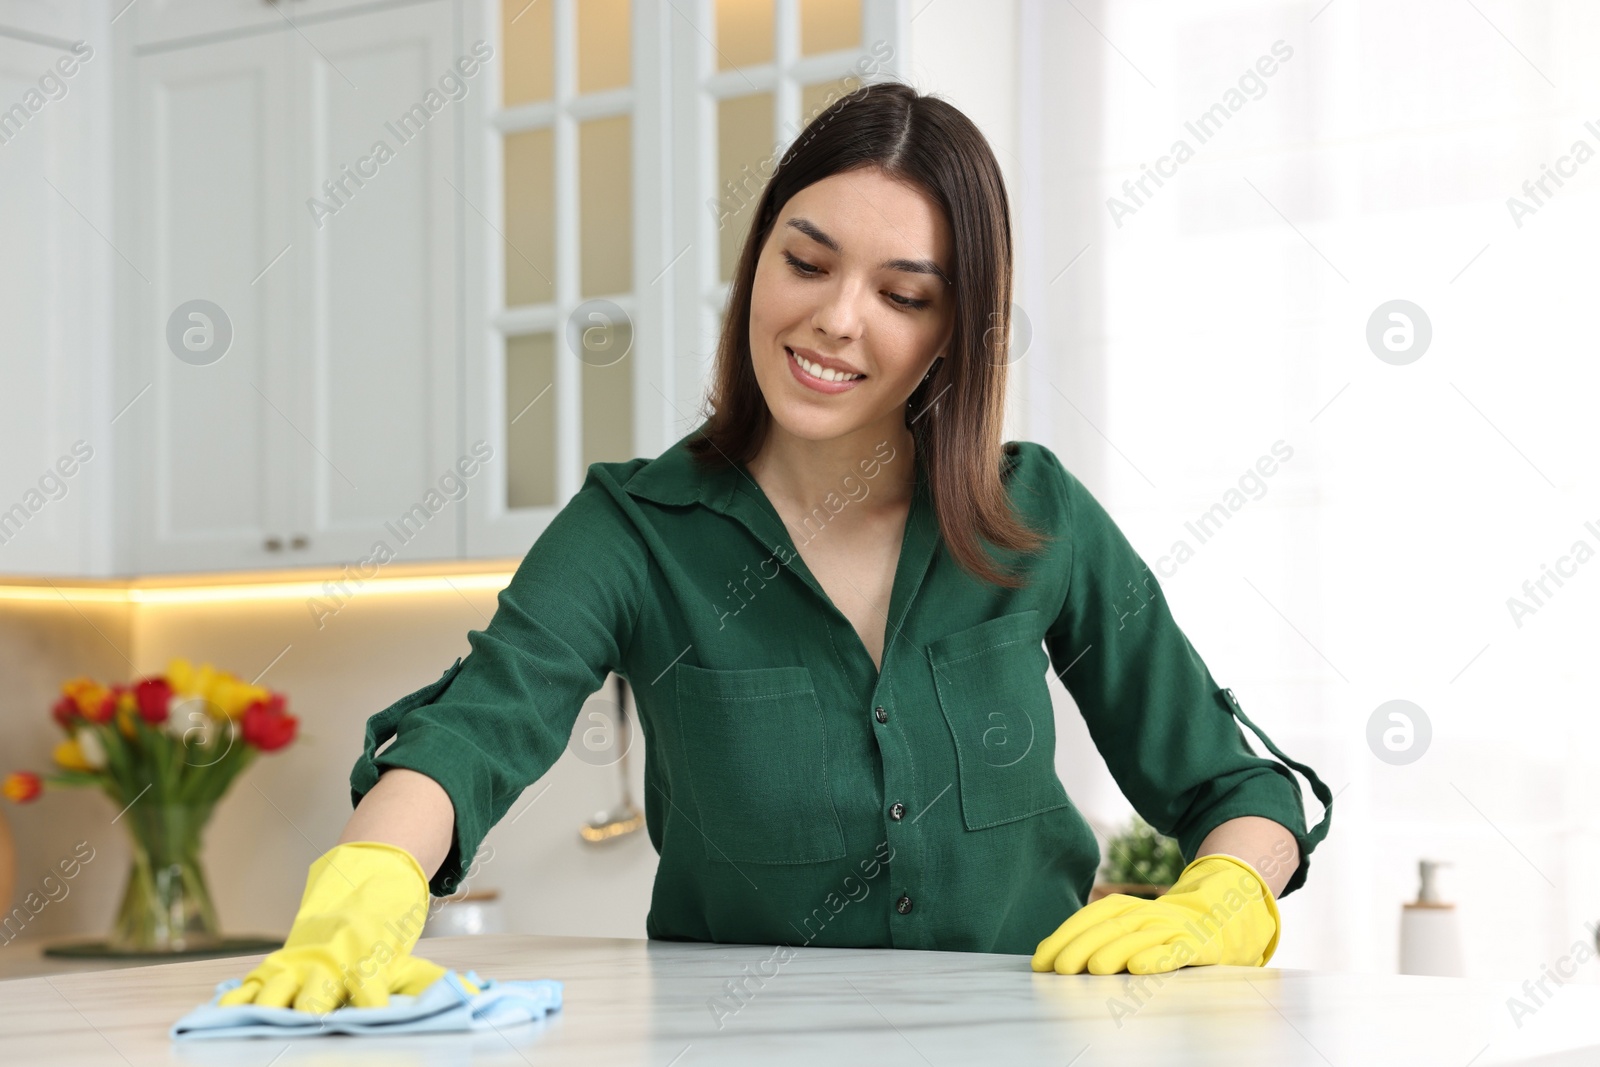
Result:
x=444 y=1006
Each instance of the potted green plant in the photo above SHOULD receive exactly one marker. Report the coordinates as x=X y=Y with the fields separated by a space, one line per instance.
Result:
x=1139 y=862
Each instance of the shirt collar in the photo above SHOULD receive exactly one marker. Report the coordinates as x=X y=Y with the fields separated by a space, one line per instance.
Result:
x=677 y=477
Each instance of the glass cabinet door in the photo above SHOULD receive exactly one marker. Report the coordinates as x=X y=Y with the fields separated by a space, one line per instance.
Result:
x=748 y=75
x=571 y=322
x=627 y=144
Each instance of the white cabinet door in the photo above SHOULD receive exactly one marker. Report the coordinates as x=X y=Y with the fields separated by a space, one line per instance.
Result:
x=208 y=149
x=187 y=22
x=49 y=23
x=375 y=221
x=54 y=440
x=326 y=432
x=169 y=20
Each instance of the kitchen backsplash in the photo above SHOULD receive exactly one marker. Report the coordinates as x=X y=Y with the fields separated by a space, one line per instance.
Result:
x=290 y=807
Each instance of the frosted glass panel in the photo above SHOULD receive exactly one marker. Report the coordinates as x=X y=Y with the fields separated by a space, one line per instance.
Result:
x=745 y=143
x=608 y=397
x=603 y=53
x=814 y=99
x=829 y=25
x=530 y=236
x=744 y=33
x=527 y=39
x=530 y=421
x=605 y=206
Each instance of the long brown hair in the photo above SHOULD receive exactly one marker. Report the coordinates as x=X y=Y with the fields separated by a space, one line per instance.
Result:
x=955 y=414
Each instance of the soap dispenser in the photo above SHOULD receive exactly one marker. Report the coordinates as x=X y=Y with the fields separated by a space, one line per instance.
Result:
x=1430 y=938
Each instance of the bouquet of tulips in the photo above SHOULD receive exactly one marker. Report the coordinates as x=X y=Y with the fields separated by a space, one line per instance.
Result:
x=183 y=736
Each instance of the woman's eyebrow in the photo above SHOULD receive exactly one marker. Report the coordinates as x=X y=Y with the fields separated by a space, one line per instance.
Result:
x=910 y=266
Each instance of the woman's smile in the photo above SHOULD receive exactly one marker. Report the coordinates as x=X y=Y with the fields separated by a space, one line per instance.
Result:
x=814 y=376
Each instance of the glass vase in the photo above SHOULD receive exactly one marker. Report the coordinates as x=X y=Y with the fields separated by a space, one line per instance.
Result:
x=166 y=906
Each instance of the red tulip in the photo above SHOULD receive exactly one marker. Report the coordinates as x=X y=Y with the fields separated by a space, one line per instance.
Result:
x=266 y=725
x=64 y=711
x=98 y=706
x=155 y=698
x=22 y=786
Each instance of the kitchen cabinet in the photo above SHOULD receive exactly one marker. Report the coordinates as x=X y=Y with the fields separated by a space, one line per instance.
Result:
x=287 y=348
x=55 y=437
x=297 y=330
x=184 y=21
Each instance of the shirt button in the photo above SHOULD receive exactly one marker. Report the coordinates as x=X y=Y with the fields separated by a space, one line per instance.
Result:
x=897 y=811
x=903 y=905
x=880 y=714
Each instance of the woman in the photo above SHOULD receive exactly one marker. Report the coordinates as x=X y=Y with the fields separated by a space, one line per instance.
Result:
x=836 y=601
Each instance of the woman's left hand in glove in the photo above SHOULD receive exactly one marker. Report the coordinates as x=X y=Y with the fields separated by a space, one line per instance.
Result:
x=1220 y=910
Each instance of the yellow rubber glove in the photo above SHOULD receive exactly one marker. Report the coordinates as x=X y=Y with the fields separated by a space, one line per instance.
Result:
x=360 y=916
x=1219 y=911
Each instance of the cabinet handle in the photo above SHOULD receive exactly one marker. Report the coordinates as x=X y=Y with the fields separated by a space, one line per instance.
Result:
x=299 y=541
x=273 y=544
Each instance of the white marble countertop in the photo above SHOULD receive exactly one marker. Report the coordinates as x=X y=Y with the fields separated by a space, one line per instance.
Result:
x=26 y=959
x=650 y=1003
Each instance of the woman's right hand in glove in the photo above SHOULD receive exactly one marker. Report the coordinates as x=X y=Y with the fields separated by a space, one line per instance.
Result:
x=362 y=912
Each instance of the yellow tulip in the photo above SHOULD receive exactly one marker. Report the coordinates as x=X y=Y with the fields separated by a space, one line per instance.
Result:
x=180 y=675
x=73 y=686
x=125 y=717
x=21 y=787
x=87 y=694
x=67 y=754
x=232 y=696
x=221 y=693
x=205 y=680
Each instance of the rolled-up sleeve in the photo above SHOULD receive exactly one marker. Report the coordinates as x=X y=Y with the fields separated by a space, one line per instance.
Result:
x=1165 y=728
x=500 y=717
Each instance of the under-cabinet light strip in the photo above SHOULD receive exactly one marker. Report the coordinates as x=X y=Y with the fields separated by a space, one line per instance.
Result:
x=334 y=586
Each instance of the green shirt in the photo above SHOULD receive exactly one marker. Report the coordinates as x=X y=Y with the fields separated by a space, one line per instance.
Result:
x=794 y=793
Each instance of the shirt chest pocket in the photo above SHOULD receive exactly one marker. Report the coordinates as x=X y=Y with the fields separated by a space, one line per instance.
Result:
x=992 y=690
x=757 y=748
